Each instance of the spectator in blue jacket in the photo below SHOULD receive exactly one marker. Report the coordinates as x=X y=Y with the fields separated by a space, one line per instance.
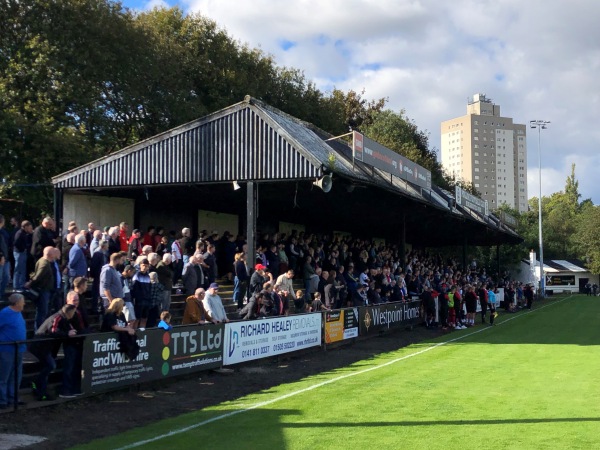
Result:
x=12 y=328
x=77 y=265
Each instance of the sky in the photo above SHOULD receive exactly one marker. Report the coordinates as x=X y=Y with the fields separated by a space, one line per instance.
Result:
x=537 y=59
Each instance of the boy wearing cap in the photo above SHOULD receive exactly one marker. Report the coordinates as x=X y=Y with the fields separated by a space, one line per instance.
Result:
x=215 y=312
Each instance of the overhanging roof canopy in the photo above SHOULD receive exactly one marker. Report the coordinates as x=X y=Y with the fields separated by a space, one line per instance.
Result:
x=251 y=141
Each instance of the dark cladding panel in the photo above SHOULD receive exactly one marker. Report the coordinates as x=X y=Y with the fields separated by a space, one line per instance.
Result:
x=239 y=143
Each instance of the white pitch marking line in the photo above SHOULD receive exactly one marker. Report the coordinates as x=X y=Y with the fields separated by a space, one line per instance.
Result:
x=324 y=383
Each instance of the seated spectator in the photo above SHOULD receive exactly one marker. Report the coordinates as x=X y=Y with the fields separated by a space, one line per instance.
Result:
x=194 y=309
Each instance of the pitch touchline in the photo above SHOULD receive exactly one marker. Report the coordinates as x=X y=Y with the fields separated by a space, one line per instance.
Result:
x=324 y=383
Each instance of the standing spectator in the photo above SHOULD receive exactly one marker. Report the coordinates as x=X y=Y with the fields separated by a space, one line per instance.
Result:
x=215 y=312
x=149 y=237
x=80 y=288
x=44 y=282
x=492 y=303
x=114 y=245
x=156 y=298
x=12 y=328
x=110 y=281
x=240 y=281
x=77 y=265
x=272 y=256
x=429 y=306
x=281 y=298
x=141 y=293
x=56 y=326
x=99 y=260
x=210 y=264
x=186 y=245
x=483 y=301
x=135 y=245
x=162 y=246
x=56 y=299
x=258 y=279
x=158 y=238
x=21 y=251
x=95 y=242
x=43 y=236
x=123 y=239
x=283 y=258
x=4 y=258
x=193 y=276
x=165 y=277
x=177 y=256
x=61 y=325
x=471 y=304
x=308 y=273
x=194 y=309
x=285 y=280
x=528 y=294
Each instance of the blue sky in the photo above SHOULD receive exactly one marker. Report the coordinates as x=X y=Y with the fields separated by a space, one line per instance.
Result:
x=538 y=59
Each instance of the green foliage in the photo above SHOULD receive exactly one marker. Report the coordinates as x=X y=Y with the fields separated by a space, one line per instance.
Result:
x=570 y=230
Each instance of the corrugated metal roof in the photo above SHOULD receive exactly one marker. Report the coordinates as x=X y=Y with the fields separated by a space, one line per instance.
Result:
x=241 y=143
x=247 y=141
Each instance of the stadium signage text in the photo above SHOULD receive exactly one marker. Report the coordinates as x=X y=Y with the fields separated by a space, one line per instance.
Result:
x=184 y=349
x=468 y=200
x=390 y=315
x=374 y=154
x=246 y=341
x=341 y=324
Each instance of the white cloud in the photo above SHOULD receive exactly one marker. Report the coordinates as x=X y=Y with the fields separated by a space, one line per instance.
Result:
x=537 y=59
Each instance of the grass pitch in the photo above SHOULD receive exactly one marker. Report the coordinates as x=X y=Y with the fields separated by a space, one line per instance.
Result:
x=530 y=382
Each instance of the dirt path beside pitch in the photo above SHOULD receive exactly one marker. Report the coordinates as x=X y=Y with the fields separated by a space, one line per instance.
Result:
x=77 y=422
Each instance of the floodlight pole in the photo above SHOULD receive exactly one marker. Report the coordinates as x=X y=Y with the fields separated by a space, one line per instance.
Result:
x=540 y=125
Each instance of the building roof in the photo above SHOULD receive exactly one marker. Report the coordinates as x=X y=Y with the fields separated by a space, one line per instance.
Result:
x=252 y=141
x=561 y=265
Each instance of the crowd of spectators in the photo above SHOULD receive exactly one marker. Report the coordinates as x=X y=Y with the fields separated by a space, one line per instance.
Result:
x=133 y=276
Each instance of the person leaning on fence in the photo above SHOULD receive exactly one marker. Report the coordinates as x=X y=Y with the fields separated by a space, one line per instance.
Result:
x=55 y=330
x=12 y=328
x=194 y=309
x=114 y=320
x=215 y=312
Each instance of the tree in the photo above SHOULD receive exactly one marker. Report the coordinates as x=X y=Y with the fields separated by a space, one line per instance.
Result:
x=587 y=237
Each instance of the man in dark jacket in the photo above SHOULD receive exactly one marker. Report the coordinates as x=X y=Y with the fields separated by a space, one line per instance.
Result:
x=43 y=236
x=44 y=283
x=45 y=350
x=21 y=251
